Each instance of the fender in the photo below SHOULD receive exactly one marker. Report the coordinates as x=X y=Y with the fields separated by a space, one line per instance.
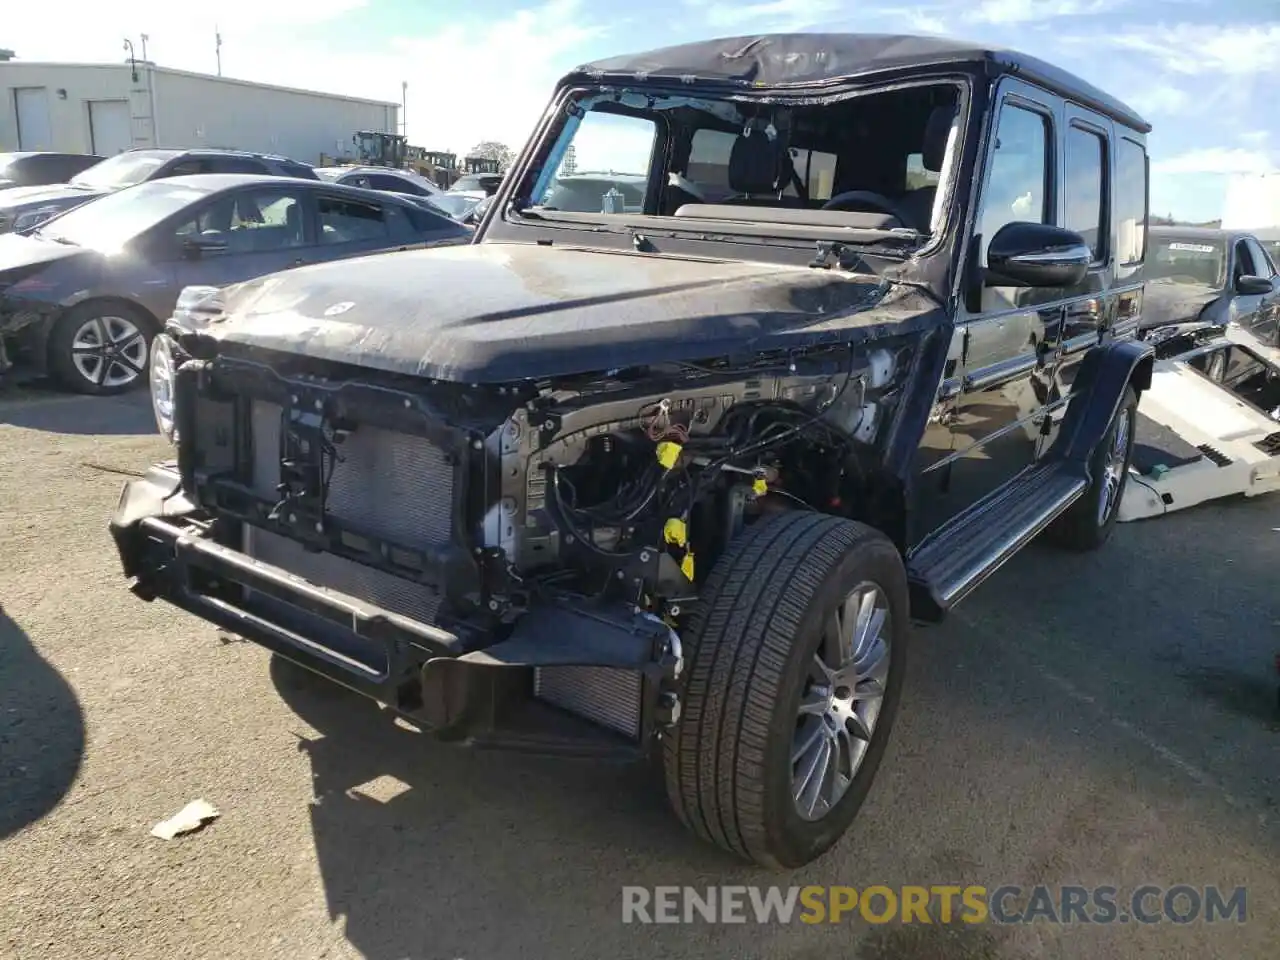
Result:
x=1097 y=392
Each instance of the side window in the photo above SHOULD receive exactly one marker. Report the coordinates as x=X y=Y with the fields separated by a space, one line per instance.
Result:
x=382 y=181
x=424 y=221
x=398 y=225
x=186 y=168
x=709 y=163
x=235 y=165
x=350 y=221
x=255 y=221
x=1018 y=180
x=1131 y=202
x=1261 y=262
x=1085 y=189
x=816 y=170
x=618 y=150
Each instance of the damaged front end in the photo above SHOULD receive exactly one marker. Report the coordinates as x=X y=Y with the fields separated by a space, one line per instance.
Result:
x=505 y=564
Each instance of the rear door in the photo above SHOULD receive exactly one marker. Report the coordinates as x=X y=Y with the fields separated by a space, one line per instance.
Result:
x=350 y=226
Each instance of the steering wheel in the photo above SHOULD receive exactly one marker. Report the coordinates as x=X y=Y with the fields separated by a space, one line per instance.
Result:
x=852 y=199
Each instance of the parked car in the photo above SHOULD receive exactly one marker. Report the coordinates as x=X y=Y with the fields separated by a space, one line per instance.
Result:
x=38 y=169
x=382 y=178
x=1216 y=276
x=24 y=208
x=459 y=206
x=680 y=478
x=477 y=183
x=83 y=294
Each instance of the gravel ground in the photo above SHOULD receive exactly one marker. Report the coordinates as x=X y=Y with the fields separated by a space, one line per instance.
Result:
x=1092 y=720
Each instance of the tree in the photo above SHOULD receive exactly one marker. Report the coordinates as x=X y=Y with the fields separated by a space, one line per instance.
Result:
x=493 y=150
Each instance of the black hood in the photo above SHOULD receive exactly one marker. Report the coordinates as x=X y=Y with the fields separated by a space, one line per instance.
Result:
x=500 y=312
x=1165 y=302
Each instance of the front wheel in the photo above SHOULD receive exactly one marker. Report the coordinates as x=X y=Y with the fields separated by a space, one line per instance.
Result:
x=101 y=348
x=795 y=659
x=1088 y=522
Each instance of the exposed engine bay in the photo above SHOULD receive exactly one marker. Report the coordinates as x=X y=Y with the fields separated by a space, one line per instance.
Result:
x=634 y=482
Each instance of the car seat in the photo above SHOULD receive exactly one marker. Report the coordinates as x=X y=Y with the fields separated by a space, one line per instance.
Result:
x=918 y=203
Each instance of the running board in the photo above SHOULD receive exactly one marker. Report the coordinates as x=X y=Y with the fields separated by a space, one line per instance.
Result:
x=971 y=546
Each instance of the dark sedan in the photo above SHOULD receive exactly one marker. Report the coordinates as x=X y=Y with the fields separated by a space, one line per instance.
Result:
x=83 y=294
x=24 y=208
x=39 y=169
x=1214 y=276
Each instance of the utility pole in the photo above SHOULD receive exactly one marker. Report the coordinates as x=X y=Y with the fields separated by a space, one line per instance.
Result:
x=404 y=107
x=145 y=38
x=217 y=47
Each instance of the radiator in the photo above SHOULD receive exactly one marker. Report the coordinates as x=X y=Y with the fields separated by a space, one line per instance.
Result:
x=393 y=486
x=604 y=695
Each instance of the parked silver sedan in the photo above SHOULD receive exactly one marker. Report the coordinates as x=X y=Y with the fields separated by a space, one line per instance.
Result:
x=82 y=295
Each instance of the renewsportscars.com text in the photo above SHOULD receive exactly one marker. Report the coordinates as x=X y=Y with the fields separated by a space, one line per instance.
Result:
x=1147 y=904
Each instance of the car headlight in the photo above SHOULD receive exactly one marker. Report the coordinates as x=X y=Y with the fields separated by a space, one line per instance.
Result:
x=33 y=218
x=162 y=368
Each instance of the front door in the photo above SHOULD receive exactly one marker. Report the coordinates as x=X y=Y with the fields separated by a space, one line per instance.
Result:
x=1011 y=334
x=258 y=230
x=1266 y=317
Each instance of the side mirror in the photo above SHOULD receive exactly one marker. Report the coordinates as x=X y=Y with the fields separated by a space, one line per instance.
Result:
x=194 y=248
x=1251 y=286
x=1036 y=255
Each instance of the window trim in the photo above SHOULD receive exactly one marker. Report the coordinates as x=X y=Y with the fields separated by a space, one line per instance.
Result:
x=1106 y=214
x=162 y=238
x=1255 y=247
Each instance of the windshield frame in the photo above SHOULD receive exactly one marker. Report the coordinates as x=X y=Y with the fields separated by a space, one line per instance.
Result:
x=510 y=220
x=83 y=179
x=126 y=198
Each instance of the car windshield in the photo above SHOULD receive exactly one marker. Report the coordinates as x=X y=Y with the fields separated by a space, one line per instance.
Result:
x=331 y=173
x=452 y=205
x=874 y=160
x=1188 y=259
x=122 y=170
x=111 y=221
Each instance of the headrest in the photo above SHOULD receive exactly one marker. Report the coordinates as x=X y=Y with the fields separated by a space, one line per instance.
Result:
x=936 y=132
x=754 y=163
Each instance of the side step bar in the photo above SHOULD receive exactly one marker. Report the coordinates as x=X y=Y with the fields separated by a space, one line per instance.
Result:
x=971 y=546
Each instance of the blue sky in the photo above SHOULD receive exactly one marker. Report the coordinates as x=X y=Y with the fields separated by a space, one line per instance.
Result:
x=1206 y=74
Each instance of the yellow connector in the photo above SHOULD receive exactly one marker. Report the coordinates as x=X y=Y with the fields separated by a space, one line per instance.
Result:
x=668 y=453
x=686 y=565
x=675 y=531
x=759 y=487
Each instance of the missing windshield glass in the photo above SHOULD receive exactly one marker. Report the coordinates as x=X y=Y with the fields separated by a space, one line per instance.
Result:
x=871 y=161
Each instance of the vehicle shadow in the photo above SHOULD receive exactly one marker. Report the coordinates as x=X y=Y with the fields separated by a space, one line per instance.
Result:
x=48 y=410
x=1054 y=735
x=42 y=732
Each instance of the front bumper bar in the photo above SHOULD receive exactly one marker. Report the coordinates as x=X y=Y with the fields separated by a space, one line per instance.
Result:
x=454 y=686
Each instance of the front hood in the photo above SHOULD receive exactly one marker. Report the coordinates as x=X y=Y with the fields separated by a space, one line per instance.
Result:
x=60 y=195
x=499 y=312
x=1165 y=302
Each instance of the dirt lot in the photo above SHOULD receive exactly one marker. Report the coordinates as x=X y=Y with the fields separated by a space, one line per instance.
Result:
x=1096 y=720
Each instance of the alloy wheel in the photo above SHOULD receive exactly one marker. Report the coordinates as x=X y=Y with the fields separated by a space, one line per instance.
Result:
x=109 y=351
x=841 y=702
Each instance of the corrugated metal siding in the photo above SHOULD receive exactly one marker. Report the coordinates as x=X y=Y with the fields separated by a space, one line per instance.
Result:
x=208 y=112
x=191 y=110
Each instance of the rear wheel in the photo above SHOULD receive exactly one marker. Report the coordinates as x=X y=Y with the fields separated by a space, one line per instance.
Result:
x=100 y=348
x=795 y=660
x=1088 y=523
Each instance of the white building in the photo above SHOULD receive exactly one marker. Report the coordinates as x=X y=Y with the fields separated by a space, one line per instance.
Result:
x=107 y=108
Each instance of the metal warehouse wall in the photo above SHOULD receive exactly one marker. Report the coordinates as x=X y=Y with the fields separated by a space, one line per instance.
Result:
x=190 y=110
x=196 y=110
x=66 y=92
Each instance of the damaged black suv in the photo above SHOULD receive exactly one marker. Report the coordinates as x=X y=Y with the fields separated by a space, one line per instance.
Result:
x=826 y=330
